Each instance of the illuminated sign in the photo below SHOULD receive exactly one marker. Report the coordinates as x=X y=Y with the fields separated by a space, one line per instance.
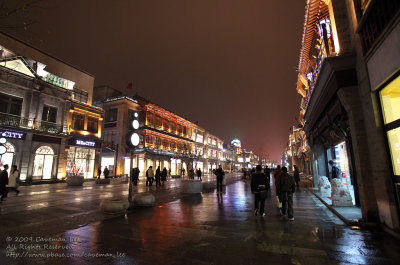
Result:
x=13 y=135
x=85 y=143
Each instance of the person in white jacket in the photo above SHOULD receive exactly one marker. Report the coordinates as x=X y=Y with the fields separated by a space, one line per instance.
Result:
x=12 y=180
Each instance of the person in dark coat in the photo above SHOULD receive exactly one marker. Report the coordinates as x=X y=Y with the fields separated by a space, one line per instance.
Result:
x=158 y=176
x=106 y=172
x=259 y=183
x=199 y=174
x=267 y=173
x=3 y=182
x=149 y=176
x=220 y=177
x=335 y=172
x=164 y=174
x=285 y=187
x=296 y=176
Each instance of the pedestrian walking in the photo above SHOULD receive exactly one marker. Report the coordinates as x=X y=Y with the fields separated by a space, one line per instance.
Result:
x=285 y=188
x=3 y=182
x=149 y=176
x=12 y=180
x=335 y=172
x=296 y=176
x=106 y=172
x=183 y=171
x=164 y=174
x=191 y=173
x=259 y=182
x=267 y=173
x=99 y=172
x=158 y=176
x=220 y=177
x=199 y=174
x=169 y=172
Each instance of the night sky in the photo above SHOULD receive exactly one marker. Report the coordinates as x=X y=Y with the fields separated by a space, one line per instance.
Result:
x=230 y=65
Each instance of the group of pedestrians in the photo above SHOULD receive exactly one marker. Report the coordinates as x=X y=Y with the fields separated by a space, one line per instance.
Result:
x=285 y=186
x=160 y=177
x=8 y=183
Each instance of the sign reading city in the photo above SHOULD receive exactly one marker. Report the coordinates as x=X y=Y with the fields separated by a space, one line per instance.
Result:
x=12 y=134
x=85 y=143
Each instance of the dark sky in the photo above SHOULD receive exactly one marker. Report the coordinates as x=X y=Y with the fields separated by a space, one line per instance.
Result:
x=230 y=65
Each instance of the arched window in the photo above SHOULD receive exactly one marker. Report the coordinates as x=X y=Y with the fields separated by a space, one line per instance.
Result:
x=43 y=163
x=8 y=157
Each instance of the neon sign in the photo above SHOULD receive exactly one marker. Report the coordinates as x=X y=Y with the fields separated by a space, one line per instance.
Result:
x=13 y=135
x=85 y=143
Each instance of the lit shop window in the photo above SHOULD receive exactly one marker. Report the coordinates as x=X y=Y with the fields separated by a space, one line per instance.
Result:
x=390 y=99
x=390 y=102
x=43 y=163
x=8 y=157
x=81 y=162
x=394 y=144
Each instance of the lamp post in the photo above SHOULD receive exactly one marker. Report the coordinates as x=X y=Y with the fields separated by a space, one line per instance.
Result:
x=132 y=141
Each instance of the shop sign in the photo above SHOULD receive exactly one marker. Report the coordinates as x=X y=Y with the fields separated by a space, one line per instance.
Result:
x=13 y=135
x=85 y=143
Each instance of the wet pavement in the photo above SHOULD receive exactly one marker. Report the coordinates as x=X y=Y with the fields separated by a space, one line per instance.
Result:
x=189 y=229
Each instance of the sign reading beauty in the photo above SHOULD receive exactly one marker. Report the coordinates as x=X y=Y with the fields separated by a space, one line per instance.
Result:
x=12 y=134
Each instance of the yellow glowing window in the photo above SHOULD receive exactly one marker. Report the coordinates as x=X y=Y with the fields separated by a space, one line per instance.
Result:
x=17 y=65
x=390 y=100
x=394 y=144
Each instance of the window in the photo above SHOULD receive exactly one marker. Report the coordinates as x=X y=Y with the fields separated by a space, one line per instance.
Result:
x=158 y=122
x=179 y=129
x=92 y=124
x=173 y=145
x=80 y=96
x=149 y=140
x=10 y=104
x=149 y=121
x=111 y=115
x=43 y=163
x=184 y=130
x=157 y=142
x=165 y=124
x=78 y=121
x=199 y=138
x=165 y=143
x=49 y=114
x=390 y=102
x=173 y=127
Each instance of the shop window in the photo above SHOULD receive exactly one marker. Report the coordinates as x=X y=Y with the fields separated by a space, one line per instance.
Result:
x=111 y=115
x=80 y=162
x=8 y=157
x=49 y=114
x=149 y=119
x=43 y=163
x=92 y=124
x=390 y=102
x=78 y=121
x=10 y=105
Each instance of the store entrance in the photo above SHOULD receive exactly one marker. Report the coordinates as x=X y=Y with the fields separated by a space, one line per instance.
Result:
x=338 y=154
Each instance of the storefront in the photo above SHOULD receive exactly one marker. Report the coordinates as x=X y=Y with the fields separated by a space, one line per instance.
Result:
x=81 y=157
x=14 y=141
x=43 y=163
x=390 y=104
x=339 y=155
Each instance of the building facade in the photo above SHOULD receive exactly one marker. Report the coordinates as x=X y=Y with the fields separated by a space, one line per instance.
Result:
x=38 y=93
x=347 y=77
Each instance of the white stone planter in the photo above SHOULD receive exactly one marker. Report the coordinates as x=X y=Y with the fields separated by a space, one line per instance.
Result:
x=144 y=199
x=114 y=206
x=340 y=194
x=324 y=187
x=191 y=186
x=102 y=181
x=75 y=181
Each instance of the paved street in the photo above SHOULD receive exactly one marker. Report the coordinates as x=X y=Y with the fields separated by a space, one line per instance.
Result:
x=180 y=229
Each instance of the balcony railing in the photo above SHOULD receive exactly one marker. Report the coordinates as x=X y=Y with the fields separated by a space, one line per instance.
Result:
x=43 y=126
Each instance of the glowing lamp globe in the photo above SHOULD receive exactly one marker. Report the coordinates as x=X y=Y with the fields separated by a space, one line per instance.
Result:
x=135 y=124
x=135 y=139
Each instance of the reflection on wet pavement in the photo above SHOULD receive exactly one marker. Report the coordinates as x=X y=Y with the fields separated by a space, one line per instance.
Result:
x=221 y=229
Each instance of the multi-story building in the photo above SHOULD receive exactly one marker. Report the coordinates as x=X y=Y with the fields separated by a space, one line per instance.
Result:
x=46 y=114
x=348 y=77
